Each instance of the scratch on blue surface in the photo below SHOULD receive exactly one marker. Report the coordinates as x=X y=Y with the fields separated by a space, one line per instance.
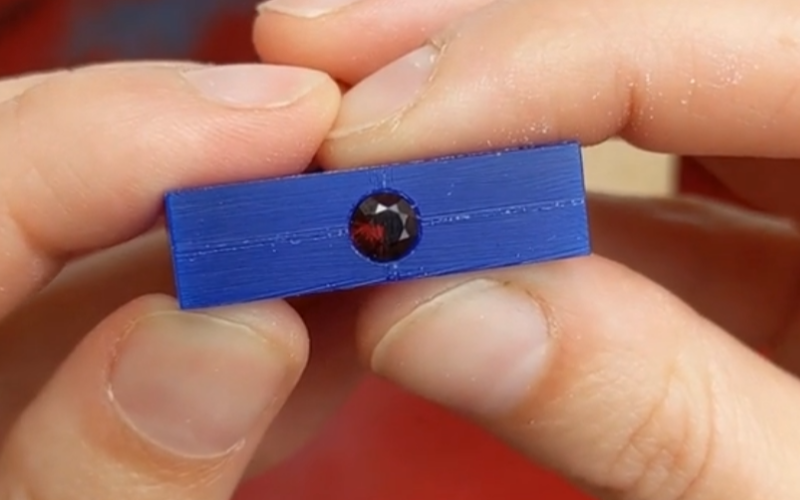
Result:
x=133 y=29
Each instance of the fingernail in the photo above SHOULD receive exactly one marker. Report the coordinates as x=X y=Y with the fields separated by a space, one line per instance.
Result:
x=478 y=348
x=387 y=93
x=304 y=8
x=195 y=384
x=254 y=85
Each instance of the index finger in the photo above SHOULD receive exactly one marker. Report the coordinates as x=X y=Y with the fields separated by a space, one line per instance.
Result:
x=86 y=156
x=331 y=36
x=685 y=77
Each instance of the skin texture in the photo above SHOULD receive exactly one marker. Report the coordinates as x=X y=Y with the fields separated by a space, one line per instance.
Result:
x=52 y=216
x=655 y=353
x=634 y=372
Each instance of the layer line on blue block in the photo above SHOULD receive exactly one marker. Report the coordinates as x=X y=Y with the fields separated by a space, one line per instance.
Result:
x=293 y=236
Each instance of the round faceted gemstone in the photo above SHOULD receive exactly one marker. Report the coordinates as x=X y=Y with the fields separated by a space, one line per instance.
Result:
x=384 y=227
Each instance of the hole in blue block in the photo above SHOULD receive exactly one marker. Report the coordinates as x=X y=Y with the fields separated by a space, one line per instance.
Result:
x=385 y=226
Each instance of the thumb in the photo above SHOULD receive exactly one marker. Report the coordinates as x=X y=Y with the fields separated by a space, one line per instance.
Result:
x=598 y=373
x=156 y=404
x=666 y=76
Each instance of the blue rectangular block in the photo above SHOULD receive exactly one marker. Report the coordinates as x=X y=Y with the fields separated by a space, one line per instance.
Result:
x=292 y=236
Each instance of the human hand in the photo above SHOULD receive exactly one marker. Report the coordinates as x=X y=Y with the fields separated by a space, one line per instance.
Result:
x=153 y=403
x=634 y=372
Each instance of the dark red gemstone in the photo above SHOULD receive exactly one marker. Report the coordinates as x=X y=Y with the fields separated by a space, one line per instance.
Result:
x=384 y=227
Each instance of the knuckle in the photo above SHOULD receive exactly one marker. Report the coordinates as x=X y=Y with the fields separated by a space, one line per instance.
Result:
x=24 y=130
x=667 y=451
x=48 y=137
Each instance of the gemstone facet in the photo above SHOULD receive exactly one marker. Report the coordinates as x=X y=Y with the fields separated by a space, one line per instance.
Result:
x=384 y=227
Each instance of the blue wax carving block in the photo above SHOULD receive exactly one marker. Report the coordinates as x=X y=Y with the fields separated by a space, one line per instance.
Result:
x=330 y=231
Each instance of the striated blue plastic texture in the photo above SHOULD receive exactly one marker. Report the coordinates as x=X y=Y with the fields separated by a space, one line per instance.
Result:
x=289 y=237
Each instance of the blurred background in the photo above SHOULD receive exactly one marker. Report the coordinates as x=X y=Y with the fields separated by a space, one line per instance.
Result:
x=615 y=167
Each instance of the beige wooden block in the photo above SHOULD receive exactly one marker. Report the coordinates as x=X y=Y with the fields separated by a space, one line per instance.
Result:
x=616 y=167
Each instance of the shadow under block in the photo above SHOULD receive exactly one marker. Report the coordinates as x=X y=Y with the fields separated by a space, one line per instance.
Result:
x=307 y=234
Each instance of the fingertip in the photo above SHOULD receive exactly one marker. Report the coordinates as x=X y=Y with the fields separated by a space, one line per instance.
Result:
x=325 y=44
x=517 y=73
x=490 y=344
x=276 y=322
x=478 y=347
x=154 y=390
x=196 y=384
x=581 y=354
x=350 y=40
x=126 y=134
x=457 y=102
